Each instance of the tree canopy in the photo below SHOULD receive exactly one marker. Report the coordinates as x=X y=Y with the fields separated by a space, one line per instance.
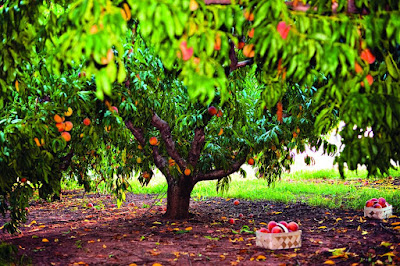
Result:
x=279 y=75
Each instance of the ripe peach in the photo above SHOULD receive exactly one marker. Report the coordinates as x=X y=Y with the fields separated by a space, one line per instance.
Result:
x=68 y=125
x=58 y=119
x=139 y=160
x=37 y=142
x=113 y=108
x=367 y=56
x=187 y=171
x=374 y=199
x=186 y=53
x=382 y=201
x=250 y=161
x=277 y=229
x=248 y=15
x=90 y=205
x=66 y=136
x=369 y=203
x=240 y=215
x=271 y=225
x=283 y=29
x=153 y=141
x=86 y=121
x=377 y=205
x=23 y=180
x=284 y=223
x=236 y=202
x=212 y=110
x=146 y=175
x=60 y=127
x=248 y=50
x=264 y=230
x=293 y=226
x=231 y=221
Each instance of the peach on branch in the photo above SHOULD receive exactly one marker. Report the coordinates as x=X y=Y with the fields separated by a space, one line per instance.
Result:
x=86 y=121
x=212 y=110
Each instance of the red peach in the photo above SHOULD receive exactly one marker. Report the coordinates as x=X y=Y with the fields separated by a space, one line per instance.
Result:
x=284 y=223
x=377 y=205
x=277 y=229
x=231 y=221
x=293 y=226
x=382 y=201
x=264 y=230
x=271 y=225
x=236 y=202
x=369 y=203
x=212 y=110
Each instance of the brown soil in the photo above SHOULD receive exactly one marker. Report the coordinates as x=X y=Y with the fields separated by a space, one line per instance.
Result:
x=68 y=232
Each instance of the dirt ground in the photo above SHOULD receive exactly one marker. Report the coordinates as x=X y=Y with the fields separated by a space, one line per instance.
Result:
x=70 y=232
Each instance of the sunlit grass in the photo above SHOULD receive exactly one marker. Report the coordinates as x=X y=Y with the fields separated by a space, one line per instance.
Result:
x=318 y=188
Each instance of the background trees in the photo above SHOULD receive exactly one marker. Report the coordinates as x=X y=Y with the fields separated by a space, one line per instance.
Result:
x=280 y=73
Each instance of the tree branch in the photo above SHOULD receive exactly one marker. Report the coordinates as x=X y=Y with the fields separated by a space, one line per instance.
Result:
x=197 y=146
x=166 y=135
x=137 y=132
x=218 y=174
x=66 y=160
x=235 y=64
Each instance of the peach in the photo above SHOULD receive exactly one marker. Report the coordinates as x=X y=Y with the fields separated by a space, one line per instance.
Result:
x=153 y=141
x=236 y=202
x=277 y=229
x=271 y=225
x=369 y=203
x=231 y=221
x=382 y=201
x=66 y=136
x=293 y=226
x=212 y=110
x=284 y=223
x=86 y=121
x=377 y=205
x=250 y=161
x=68 y=126
x=187 y=171
x=264 y=230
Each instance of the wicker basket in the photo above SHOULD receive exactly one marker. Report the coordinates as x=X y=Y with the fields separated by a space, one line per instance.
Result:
x=274 y=241
x=377 y=213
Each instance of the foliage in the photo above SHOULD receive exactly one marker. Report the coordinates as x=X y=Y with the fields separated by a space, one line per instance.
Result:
x=162 y=64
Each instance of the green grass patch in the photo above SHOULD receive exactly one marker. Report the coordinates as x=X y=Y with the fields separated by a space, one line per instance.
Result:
x=322 y=188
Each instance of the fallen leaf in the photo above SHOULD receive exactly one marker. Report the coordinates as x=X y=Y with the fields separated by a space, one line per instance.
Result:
x=104 y=246
x=396 y=227
x=45 y=240
x=188 y=228
x=322 y=227
x=386 y=244
x=157 y=264
x=389 y=254
x=330 y=262
x=133 y=264
x=261 y=257
x=396 y=223
x=364 y=233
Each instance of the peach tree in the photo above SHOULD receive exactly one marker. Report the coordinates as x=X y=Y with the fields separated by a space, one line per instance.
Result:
x=278 y=74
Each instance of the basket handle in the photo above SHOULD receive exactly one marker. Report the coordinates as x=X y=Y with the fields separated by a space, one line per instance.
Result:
x=283 y=227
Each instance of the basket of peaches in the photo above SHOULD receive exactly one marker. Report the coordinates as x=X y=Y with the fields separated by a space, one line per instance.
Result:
x=280 y=235
x=377 y=209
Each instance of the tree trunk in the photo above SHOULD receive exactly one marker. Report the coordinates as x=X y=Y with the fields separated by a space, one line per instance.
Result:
x=178 y=198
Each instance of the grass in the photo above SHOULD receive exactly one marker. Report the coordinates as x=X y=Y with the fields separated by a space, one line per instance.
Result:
x=322 y=188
